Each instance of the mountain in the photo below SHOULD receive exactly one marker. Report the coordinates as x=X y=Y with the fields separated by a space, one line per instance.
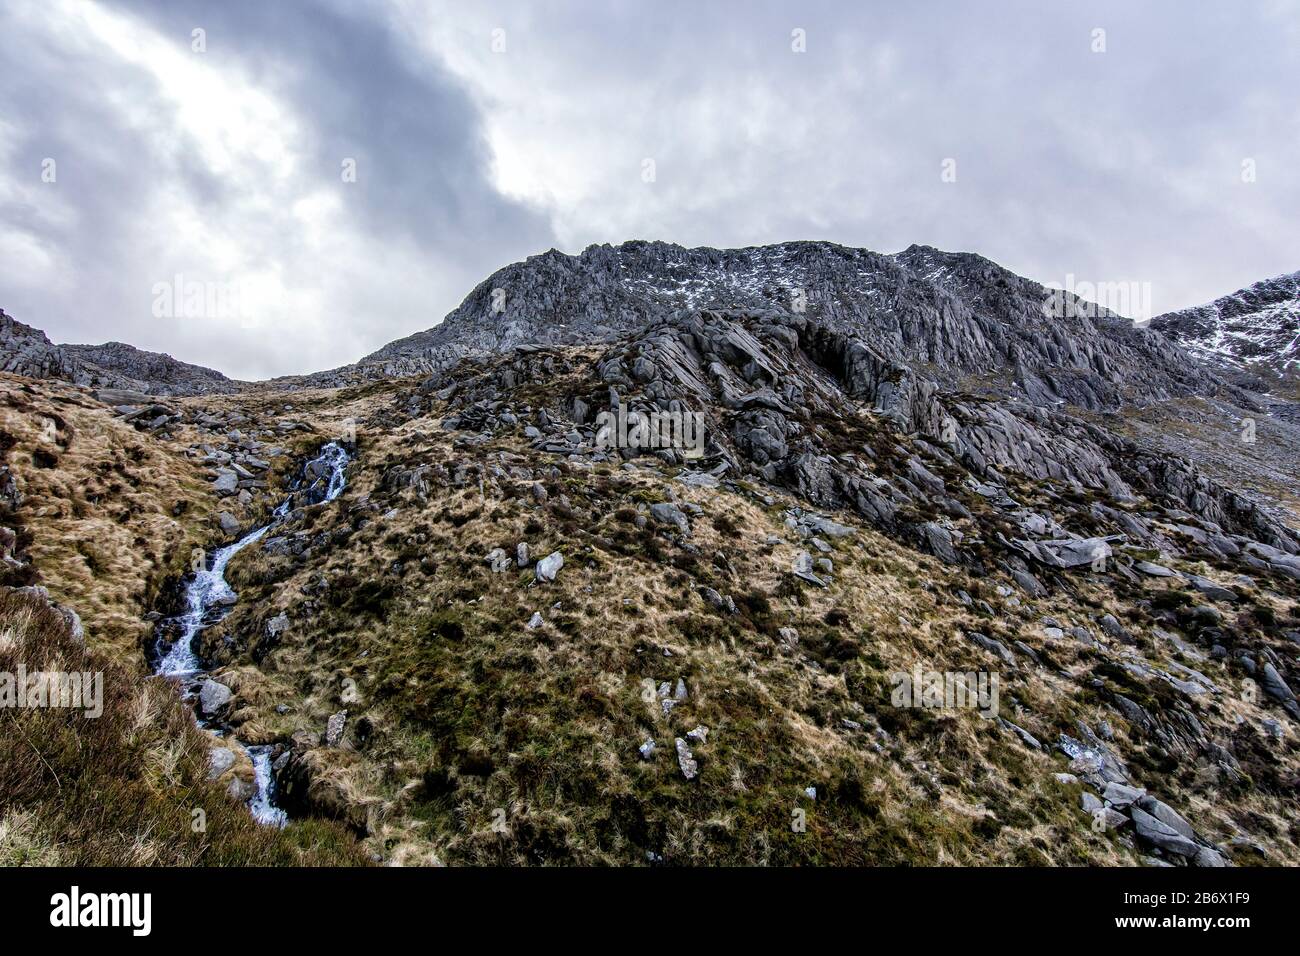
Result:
x=953 y=313
x=28 y=351
x=1256 y=329
x=642 y=557
x=157 y=372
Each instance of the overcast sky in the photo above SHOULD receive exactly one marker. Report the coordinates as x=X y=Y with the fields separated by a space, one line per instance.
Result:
x=483 y=132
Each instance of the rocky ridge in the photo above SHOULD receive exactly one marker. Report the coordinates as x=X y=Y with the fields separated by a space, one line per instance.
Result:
x=28 y=351
x=949 y=313
x=1254 y=330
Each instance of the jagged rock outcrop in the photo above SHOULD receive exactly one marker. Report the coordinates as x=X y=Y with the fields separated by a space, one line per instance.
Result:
x=820 y=412
x=157 y=373
x=1256 y=329
x=954 y=312
x=27 y=351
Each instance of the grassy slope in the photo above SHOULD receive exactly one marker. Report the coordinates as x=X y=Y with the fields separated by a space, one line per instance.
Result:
x=107 y=514
x=473 y=718
x=460 y=716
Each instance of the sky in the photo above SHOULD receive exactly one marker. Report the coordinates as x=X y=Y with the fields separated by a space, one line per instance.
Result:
x=283 y=186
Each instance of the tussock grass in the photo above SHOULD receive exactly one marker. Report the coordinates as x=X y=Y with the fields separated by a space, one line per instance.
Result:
x=124 y=788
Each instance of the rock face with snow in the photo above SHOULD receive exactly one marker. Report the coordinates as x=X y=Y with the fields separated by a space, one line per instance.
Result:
x=1255 y=329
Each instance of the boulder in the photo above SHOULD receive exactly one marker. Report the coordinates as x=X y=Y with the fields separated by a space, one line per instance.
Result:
x=1162 y=835
x=334 y=728
x=667 y=513
x=686 y=760
x=220 y=759
x=226 y=482
x=549 y=566
x=213 y=696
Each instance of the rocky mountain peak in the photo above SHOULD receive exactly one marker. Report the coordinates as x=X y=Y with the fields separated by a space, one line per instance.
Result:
x=945 y=313
x=1255 y=329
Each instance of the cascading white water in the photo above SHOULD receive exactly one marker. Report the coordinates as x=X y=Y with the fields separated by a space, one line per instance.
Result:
x=207 y=590
x=263 y=805
x=209 y=596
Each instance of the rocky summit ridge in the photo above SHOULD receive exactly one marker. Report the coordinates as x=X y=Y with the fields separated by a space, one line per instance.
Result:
x=951 y=313
x=1256 y=329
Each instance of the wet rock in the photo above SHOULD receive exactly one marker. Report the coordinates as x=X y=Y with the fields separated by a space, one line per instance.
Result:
x=213 y=696
x=229 y=524
x=220 y=759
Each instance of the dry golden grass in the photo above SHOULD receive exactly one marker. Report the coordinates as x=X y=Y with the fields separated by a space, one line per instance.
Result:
x=109 y=512
x=451 y=680
x=489 y=742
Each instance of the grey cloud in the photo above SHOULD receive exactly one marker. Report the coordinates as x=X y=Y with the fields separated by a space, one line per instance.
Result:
x=1116 y=166
x=352 y=90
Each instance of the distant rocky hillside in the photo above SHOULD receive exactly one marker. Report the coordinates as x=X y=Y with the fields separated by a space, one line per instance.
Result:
x=1255 y=329
x=28 y=351
x=157 y=372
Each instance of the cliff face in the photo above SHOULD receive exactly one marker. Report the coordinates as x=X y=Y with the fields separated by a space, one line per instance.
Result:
x=948 y=312
x=1256 y=329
